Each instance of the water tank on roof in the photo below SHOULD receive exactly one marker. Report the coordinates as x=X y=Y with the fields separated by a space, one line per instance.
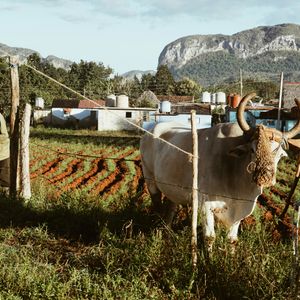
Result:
x=221 y=98
x=165 y=106
x=235 y=100
x=39 y=102
x=110 y=100
x=205 y=97
x=122 y=101
x=213 y=98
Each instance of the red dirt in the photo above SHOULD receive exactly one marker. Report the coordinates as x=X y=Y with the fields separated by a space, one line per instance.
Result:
x=46 y=168
x=112 y=183
x=73 y=165
x=280 y=228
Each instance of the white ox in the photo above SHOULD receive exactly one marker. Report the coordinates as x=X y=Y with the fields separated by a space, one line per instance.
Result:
x=235 y=163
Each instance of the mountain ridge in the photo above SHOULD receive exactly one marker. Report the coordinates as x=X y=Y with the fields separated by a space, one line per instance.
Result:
x=278 y=44
x=23 y=54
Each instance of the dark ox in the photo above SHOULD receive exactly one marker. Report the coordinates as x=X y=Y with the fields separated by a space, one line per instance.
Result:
x=235 y=163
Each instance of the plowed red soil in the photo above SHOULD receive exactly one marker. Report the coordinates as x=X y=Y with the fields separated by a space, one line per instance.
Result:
x=103 y=182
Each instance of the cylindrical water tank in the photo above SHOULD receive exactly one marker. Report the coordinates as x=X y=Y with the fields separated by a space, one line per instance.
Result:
x=205 y=97
x=39 y=102
x=110 y=100
x=221 y=98
x=122 y=101
x=213 y=98
x=235 y=100
x=229 y=99
x=165 y=106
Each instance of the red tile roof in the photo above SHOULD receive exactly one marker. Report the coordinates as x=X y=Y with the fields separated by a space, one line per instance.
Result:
x=73 y=103
x=291 y=83
x=91 y=104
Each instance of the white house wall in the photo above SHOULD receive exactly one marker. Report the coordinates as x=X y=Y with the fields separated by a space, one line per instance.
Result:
x=41 y=116
x=117 y=119
x=77 y=113
x=203 y=121
x=58 y=112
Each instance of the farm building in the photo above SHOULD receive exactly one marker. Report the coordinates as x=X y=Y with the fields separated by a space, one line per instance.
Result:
x=266 y=115
x=115 y=118
x=181 y=112
x=41 y=116
x=95 y=115
x=75 y=113
x=291 y=90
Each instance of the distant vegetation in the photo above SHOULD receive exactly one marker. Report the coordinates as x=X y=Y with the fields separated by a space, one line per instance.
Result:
x=216 y=71
x=90 y=79
x=220 y=67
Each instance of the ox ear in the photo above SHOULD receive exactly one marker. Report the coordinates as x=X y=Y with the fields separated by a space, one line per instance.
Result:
x=239 y=151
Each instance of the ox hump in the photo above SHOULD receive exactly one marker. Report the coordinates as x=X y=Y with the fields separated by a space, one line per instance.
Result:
x=168 y=128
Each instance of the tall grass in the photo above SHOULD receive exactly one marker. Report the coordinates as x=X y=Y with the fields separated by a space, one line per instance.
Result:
x=75 y=250
x=75 y=247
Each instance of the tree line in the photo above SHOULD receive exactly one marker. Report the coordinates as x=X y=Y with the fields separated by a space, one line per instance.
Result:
x=91 y=79
x=96 y=81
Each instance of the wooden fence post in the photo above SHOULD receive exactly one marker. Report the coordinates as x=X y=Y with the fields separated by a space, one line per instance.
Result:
x=24 y=153
x=195 y=189
x=14 y=126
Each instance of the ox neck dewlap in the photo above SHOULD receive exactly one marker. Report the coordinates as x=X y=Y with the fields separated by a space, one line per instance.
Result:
x=263 y=167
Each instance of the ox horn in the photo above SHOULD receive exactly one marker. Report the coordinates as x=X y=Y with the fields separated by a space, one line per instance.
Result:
x=296 y=129
x=289 y=134
x=245 y=127
x=240 y=112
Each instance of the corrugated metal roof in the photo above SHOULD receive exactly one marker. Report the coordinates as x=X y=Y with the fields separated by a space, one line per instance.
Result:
x=203 y=109
x=175 y=99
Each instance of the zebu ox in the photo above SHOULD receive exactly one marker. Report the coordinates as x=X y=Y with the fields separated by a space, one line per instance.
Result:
x=235 y=163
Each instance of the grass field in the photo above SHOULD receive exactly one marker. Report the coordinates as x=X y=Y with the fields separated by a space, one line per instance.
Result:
x=89 y=233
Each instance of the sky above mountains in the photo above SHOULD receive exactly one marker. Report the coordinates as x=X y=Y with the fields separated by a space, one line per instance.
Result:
x=129 y=35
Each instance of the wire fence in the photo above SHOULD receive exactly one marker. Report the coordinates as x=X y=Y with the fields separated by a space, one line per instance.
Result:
x=188 y=188
x=190 y=155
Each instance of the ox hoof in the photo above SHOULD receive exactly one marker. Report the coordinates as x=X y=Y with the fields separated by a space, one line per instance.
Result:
x=209 y=242
x=232 y=246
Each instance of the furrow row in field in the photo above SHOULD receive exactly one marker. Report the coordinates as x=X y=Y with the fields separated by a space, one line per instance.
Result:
x=109 y=181
x=71 y=168
x=85 y=174
x=282 y=228
x=46 y=168
x=97 y=165
x=117 y=181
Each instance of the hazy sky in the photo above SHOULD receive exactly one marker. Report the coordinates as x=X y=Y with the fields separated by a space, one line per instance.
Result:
x=129 y=35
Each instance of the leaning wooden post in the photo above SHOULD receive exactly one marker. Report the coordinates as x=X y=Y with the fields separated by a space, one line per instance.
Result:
x=14 y=126
x=15 y=90
x=291 y=193
x=24 y=153
x=195 y=189
x=280 y=102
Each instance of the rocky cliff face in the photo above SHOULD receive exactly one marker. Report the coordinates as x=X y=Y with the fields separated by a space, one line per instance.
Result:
x=285 y=37
x=281 y=40
x=23 y=53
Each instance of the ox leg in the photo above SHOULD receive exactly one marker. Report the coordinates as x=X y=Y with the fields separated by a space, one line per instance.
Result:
x=208 y=225
x=156 y=195
x=156 y=201
x=233 y=236
x=171 y=209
